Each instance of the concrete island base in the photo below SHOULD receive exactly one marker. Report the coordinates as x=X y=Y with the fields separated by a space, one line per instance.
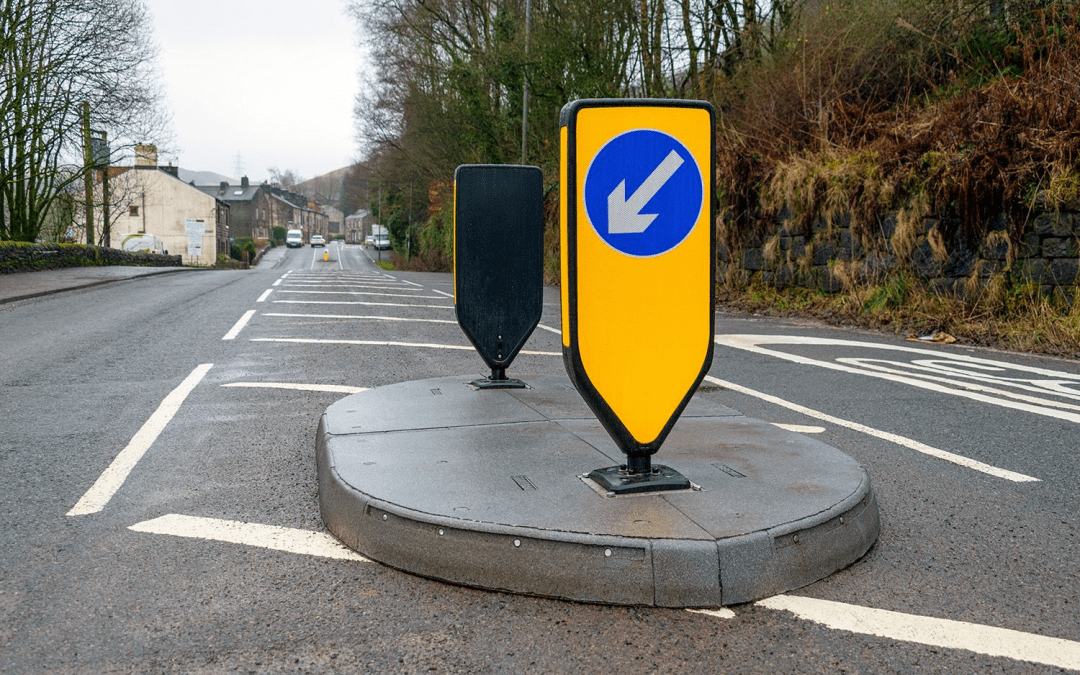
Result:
x=487 y=488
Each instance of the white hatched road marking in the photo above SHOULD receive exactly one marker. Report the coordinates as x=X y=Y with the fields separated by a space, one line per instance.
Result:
x=359 y=302
x=894 y=438
x=271 y=537
x=353 y=316
x=389 y=343
x=239 y=325
x=387 y=295
x=336 y=388
x=800 y=428
x=943 y=368
x=924 y=630
x=99 y=494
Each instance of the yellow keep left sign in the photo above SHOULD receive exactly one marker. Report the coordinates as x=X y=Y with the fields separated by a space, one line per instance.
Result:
x=638 y=260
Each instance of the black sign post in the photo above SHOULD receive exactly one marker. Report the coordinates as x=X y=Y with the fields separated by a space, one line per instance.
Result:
x=498 y=261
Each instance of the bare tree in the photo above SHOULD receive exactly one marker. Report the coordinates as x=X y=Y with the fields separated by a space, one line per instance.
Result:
x=286 y=179
x=58 y=58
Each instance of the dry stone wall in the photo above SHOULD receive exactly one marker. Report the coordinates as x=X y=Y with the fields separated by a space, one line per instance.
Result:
x=825 y=255
x=26 y=257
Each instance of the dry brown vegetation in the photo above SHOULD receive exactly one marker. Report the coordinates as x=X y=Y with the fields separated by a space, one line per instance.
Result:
x=918 y=109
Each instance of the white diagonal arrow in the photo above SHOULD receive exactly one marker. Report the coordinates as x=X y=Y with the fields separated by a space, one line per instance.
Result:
x=624 y=215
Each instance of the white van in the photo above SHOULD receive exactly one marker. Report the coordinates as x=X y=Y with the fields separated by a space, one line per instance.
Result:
x=294 y=238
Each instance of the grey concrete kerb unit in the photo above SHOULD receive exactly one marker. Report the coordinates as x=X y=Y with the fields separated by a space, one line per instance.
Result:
x=487 y=489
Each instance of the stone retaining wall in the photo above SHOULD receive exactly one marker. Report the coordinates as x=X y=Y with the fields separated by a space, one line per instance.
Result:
x=825 y=255
x=17 y=256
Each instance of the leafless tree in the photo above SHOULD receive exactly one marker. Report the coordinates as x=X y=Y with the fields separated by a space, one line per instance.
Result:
x=58 y=58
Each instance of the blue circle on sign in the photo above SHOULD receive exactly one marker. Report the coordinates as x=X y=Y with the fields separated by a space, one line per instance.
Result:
x=643 y=192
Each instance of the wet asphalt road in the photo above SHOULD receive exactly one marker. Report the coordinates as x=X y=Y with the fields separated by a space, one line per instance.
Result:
x=990 y=542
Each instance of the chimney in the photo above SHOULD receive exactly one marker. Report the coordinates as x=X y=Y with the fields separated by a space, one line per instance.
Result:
x=244 y=182
x=145 y=154
x=223 y=187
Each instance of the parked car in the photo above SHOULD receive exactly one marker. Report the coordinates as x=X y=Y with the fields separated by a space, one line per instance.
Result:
x=317 y=240
x=382 y=242
x=294 y=238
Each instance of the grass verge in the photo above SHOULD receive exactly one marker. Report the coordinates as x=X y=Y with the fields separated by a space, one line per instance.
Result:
x=1013 y=322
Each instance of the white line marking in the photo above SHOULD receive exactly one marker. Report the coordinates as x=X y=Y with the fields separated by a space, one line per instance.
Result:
x=239 y=326
x=265 y=295
x=358 y=302
x=800 y=429
x=287 y=539
x=337 y=388
x=722 y=613
x=114 y=476
x=353 y=316
x=449 y=295
x=924 y=630
x=386 y=343
x=387 y=295
x=277 y=283
x=1057 y=382
x=411 y=283
x=893 y=438
x=326 y=284
x=549 y=329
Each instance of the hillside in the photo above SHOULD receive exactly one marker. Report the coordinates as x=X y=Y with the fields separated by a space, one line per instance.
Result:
x=325 y=188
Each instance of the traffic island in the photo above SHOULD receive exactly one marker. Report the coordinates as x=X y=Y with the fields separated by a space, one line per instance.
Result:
x=490 y=488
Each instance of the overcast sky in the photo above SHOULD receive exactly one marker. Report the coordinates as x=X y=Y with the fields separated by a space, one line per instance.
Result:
x=271 y=80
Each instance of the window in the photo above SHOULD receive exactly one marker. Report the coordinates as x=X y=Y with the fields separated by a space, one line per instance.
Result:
x=133 y=211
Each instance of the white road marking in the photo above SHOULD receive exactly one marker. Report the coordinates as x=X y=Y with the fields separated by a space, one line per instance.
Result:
x=893 y=438
x=353 y=316
x=973 y=371
x=549 y=329
x=924 y=630
x=387 y=295
x=358 y=302
x=265 y=295
x=239 y=326
x=278 y=282
x=387 y=343
x=449 y=295
x=289 y=540
x=336 y=388
x=326 y=284
x=410 y=282
x=114 y=476
x=800 y=429
x=722 y=613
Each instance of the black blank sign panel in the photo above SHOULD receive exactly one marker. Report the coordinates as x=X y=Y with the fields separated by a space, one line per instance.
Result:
x=498 y=257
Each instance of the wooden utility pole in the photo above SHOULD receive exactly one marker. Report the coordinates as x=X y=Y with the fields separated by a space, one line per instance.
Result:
x=106 y=226
x=88 y=174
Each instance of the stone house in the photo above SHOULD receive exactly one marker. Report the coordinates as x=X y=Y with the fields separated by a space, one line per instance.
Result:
x=357 y=226
x=294 y=211
x=250 y=204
